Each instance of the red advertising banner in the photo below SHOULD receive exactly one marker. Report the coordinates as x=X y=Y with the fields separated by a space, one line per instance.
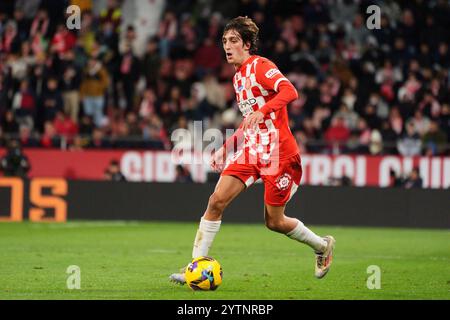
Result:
x=160 y=166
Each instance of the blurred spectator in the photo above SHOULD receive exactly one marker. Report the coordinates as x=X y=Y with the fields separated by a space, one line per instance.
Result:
x=26 y=138
x=133 y=125
x=84 y=5
x=24 y=104
x=357 y=33
x=421 y=123
x=394 y=180
x=63 y=40
x=364 y=134
x=86 y=38
x=86 y=125
x=443 y=56
x=49 y=138
x=354 y=145
x=444 y=120
x=396 y=121
x=9 y=40
x=376 y=143
x=414 y=180
x=70 y=85
x=40 y=24
x=98 y=140
x=337 y=133
x=409 y=144
x=112 y=14
x=51 y=100
x=434 y=140
x=28 y=7
x=2 y=138
x=129 y=75
x=113 y=173
x=370 y=116
x=183 y=175
x=214 y=94
x=343 y=181
x=389 y=137
x=93 y=89
x=78 y=143
x=148 y=104
x=208 y=58
x=20 y=62
x=65 y=126
x=154 y=133
x=151 y=63
x=349 y=117
x=15 y=163
x=9 y=123
x=167 y=33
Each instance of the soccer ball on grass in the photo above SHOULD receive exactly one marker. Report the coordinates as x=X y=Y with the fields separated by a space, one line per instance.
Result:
x=203 y=273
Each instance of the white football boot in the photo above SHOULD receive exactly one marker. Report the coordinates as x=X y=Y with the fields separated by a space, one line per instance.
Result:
x=324 y=259
x=179 y=277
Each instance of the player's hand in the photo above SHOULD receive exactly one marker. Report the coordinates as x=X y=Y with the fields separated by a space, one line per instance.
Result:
x=252 y=120
x=217 y=161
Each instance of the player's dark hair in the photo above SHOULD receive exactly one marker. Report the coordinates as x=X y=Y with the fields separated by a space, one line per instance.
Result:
x=247 y=29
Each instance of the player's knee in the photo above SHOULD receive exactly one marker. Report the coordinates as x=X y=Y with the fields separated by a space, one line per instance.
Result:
x=274 y=224
x=217 y=203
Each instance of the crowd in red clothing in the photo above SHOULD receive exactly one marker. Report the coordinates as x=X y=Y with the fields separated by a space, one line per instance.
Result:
x=361 y=91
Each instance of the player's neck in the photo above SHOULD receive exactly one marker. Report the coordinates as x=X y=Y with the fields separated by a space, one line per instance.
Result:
x=244 y=60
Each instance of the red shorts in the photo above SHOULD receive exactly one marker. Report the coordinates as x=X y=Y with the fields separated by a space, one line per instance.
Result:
x=279 y=186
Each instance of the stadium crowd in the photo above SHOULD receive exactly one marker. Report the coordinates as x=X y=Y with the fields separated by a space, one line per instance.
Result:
x=381 y=91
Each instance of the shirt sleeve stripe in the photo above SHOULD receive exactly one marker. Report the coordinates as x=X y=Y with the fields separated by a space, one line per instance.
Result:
x=278 y=82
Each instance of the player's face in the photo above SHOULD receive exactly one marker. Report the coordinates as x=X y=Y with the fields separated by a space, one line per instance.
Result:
x=235 y=50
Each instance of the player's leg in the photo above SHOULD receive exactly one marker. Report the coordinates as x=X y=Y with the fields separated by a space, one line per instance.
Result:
x=236 y=176
x=277 y=221
x=279 y=189
x=227 y=188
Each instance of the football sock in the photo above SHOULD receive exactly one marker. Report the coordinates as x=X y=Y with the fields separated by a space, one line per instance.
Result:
x=204 y=237
x=304 y=235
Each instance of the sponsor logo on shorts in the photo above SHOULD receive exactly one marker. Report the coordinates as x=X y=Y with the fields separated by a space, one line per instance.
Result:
x=283 y=181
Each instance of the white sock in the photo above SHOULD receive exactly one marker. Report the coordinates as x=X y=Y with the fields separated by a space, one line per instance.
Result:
x=204 y=237
x=304 y=235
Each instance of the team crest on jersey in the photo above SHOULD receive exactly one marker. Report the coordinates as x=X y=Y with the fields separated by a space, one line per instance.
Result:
x=248 y=83
x=239 y=89
x=271 y=73
x=283 y=181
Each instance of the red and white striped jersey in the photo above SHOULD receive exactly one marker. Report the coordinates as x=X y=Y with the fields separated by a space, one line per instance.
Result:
x=256 y=83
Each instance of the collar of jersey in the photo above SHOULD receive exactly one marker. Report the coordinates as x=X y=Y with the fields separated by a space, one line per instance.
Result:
x=246 y=62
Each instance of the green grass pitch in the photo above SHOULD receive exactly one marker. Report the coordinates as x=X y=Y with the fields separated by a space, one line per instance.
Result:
x=132 y=260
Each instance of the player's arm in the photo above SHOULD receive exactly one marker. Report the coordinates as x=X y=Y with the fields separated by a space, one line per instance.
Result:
x=218 y=158
x=286 y=94
x=268 y=75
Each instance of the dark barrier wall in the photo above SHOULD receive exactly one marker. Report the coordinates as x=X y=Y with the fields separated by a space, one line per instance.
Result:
x=89 y=200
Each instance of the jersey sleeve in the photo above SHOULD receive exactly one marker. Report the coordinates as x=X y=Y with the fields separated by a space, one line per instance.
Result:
x=268 y=75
